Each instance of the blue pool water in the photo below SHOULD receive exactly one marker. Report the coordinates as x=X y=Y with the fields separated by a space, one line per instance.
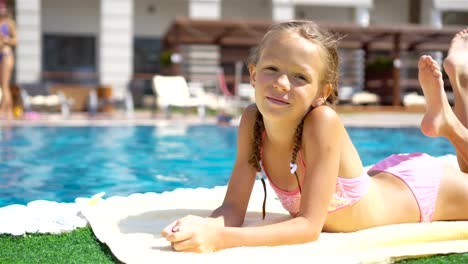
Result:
x=62 y=163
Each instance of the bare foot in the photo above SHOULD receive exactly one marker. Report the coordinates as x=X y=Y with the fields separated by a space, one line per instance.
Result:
x=438 y=112
x=6 y=112
x=456 y=64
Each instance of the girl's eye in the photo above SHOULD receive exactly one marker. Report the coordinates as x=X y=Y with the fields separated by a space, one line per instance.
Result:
x=302 y=77
x=271 y=69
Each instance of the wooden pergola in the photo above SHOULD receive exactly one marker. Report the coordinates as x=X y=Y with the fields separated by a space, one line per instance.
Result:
x=244 y=34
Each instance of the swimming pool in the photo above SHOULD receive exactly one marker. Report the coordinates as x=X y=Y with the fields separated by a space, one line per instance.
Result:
x=62 y=163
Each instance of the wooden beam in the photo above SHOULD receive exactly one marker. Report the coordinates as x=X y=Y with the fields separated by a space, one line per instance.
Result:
x=396 y=69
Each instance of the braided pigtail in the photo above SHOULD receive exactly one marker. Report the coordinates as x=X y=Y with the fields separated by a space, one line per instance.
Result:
x=257 y=142
x=255 y=157
x=297 y=146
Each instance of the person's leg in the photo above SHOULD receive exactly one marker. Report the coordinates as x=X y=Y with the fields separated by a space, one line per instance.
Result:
x=456 y=67
x=439 y=119
x=452 y=198
x=2 y=101
x=7 y=68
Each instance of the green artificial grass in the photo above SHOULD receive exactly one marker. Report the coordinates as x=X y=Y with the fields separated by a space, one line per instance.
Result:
x=81 y=246
x=78 y=246
x=445 y=259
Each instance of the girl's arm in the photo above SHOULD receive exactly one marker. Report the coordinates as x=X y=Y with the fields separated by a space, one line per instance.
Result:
x=322 y=137
x=321 y=142
x=233 y=209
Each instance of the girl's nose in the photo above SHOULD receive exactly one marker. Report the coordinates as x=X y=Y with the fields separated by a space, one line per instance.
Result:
x=282 y=83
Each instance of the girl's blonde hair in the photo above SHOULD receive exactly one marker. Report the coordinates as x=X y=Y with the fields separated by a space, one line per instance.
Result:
x=327 y=43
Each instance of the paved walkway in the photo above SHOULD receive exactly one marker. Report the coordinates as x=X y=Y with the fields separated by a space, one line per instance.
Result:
x=385 y=119
x=370 y=119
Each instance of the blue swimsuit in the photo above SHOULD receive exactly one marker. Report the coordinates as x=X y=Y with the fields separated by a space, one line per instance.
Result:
x=5 y=31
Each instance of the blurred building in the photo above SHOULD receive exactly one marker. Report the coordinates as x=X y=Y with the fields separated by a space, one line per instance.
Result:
x=114 y=42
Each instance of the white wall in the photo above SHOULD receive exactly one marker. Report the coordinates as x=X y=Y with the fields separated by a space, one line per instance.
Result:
x=325 y=13
x=83 y=17
x=28 y=49
x=156 y=23
x=71 y=17
x=452 y=5
x=116 y=44
x=361 y=3
x=252 y=9
x=390 y=12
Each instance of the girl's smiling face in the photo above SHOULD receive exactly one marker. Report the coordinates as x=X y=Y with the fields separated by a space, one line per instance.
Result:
x=287 y=76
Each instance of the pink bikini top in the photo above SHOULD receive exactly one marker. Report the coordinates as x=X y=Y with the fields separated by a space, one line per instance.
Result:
x=347 y=191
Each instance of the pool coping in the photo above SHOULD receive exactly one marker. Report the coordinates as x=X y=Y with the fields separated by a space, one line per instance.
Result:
x=351 y=119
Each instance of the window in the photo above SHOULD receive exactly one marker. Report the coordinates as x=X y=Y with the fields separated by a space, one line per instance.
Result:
x=146 y=55
x=68 y=58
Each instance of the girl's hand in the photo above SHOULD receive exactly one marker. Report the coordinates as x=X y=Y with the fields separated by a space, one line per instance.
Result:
x=193 y=234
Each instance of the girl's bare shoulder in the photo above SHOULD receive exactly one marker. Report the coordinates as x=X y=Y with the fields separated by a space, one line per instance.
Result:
x=323 y=119
x=323 y=114
x=249 y=117
x=245 y=135
x=250 y=111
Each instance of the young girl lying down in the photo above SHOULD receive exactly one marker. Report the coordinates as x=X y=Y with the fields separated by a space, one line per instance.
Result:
x=294 y=136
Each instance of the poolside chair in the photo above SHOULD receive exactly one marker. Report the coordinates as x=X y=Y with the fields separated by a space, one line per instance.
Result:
x=102 y=100
x=414 y=99
x=230 y=101
x=345 y=94
x=37 y=96
x=246 y=91
x=365 y=98
x=174 y=91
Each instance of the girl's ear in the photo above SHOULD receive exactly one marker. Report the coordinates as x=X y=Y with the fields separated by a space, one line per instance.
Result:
x=318 y=102
x=252 y=72
x=326 y=91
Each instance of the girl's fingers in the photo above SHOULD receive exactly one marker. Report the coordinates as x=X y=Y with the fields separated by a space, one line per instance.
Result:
x=171 y=228
x=175 y=228
x=187 y=245
x=178 y=236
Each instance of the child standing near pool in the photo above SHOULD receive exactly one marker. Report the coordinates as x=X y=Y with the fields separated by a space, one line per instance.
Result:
x=293 y=134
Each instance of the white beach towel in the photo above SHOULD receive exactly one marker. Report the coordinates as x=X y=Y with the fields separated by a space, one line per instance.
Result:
x=131 y=227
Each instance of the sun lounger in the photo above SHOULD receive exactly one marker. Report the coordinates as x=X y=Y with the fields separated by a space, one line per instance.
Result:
x=414 y=99
x=365 y=98
x=246 y=92
x=231 y=102
x=174 y=91
x=37 y=96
